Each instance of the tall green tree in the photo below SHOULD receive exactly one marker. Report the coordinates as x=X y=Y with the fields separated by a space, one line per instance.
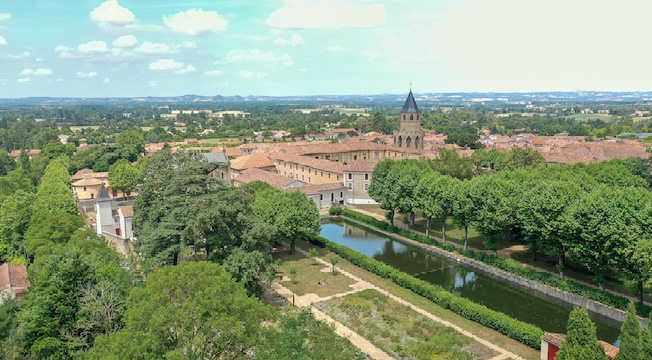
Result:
x=630 y=336
x=581 y=338
x=124 y=176
x=522 y=158
x=189 y=311
x=463 y=209
x=383 y=187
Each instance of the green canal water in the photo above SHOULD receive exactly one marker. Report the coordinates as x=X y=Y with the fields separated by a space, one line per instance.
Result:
x=525 y=304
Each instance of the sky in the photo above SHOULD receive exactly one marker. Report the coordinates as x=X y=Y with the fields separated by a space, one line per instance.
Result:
x=130 y=48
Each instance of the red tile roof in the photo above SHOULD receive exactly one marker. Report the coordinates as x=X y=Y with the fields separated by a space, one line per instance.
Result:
x=276 y=180
x=13 y=275
x=319 y=164
x=258 y=160
x=361 y=166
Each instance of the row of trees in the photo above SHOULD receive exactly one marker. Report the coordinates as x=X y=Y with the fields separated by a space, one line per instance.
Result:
x=598 y=215
x=78 y=284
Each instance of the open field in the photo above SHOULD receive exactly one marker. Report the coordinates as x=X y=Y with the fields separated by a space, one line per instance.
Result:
x=399 y=330
x=586 y=117
x=473 y=327
x=79 y=128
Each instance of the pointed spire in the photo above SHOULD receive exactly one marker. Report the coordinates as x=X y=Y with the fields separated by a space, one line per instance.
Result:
x=103 y=194
x=410 y=105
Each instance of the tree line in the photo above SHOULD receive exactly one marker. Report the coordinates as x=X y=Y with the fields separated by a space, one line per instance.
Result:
x=596 y=215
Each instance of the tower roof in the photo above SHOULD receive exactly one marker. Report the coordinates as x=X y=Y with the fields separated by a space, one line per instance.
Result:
x=410 y=105
x=103 y=194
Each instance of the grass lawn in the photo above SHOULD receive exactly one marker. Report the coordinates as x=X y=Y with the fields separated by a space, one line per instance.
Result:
x=585 y=117
x=400 y=331
x=308 y=274
x=219 y=141
x=490 y=335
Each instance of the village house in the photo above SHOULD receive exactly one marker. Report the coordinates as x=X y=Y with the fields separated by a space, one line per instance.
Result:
x=325 y=195
x=13 y=282
x=278 y=181
x=307 y=169
x=114 y=221
x=86 y=185
x=357 y=179
x=30 y=153
x=257 y=160
x=551 y=343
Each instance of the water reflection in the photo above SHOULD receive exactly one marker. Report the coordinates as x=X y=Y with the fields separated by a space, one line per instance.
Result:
x=548 y=313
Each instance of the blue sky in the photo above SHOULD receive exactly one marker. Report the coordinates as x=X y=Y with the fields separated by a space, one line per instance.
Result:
x=131 y=48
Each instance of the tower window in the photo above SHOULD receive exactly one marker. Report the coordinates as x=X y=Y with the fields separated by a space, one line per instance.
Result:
x=411 y=117
x=403 y=116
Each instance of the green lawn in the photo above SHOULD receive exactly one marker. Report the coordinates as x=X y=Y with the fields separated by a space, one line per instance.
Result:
x=79 y=128
x=309 y=274
x=400 y=331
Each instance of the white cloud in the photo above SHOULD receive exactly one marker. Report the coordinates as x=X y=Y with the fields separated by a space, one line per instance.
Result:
x=524 y=67
x=126 y=41
x=165 y=65
x=5 y=16
x=36 y=72
x=196 y=22
x=153 y=48
x=335 y=48
x=3 y=41
x=248 y=74
x=85 y=75
x=64 y=51
x=23 y=80
x=42 y=72
x=92 y=47
x=188 y=45
x=24 y=55
x=214 y=73
x=110 y=13
x=106 y=81
x=258 y=55
x=321 y=14
x=295 y=40
x=186 y=70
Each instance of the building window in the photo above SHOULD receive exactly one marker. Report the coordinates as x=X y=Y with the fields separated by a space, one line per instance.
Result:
x=322 y=174
x=285 y=173
x=303 y=169
x=341 y=194
x=321 y=196
x=329 y=175
x=376 y=154
x=350 y=176
x=366 y=186
x=309 y=180
x=337 y=157
x=338 y=178
x=350 y=186
x=302 y=178
x=309 y=170
x=355 y=157
x=296 y=167
x=364 y=156
x=366 y=177
x=328 y=157
x=84 y=188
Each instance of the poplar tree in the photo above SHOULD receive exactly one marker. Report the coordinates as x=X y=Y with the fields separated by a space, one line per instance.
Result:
x=581 y=338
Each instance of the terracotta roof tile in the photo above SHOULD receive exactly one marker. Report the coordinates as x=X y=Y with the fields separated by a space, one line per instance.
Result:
x=258 y=160
x=276 y=180
x=319 y=164
x=13 y=275
x=127 y=211
x=361 y=166
x=87 y=182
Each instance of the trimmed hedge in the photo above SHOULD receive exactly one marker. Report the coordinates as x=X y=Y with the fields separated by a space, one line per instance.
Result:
x=525 y=333
x=509 y=266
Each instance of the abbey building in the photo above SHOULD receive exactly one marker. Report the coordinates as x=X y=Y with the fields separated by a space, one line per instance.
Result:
x=409 y=135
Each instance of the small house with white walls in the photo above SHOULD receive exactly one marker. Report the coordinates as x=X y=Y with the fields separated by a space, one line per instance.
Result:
x=114 y=222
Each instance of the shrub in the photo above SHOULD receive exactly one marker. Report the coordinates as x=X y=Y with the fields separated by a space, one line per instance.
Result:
x=335 y=211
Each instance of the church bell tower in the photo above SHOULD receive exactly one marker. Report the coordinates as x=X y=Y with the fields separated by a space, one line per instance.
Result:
x=409 y=135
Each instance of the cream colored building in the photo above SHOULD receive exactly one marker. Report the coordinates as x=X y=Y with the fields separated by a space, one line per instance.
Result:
x=308 y=169
x=86 y=185
x=357 y=179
